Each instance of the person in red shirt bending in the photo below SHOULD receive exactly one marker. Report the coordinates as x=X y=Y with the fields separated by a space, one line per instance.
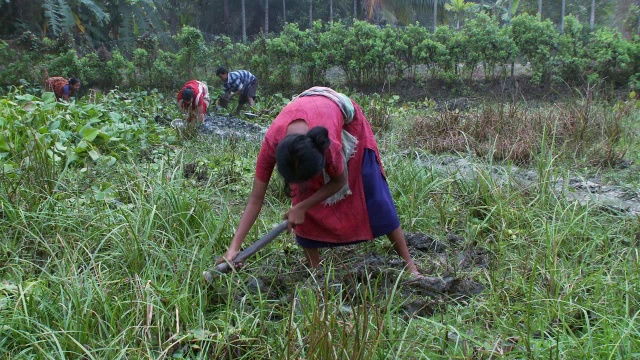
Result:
x=193 y=100
x=325 y=150
x=63 y=88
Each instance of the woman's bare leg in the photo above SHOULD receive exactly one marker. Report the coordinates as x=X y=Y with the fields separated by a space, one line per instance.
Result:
x=400 y=245
x=313 y=257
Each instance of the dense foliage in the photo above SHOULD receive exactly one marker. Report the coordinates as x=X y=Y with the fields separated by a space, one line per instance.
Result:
x=365 y=53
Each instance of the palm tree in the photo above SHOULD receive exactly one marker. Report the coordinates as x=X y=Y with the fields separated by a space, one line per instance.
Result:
x=266 y=16
x=564 y=3
x=458 y=8
x=355 y=9
x=244 y=22
x=435 y=16
x=330 y=10
x=284 y=11
x=225 y=14
x=310 y=14
x=592 y=19
x=540 y=9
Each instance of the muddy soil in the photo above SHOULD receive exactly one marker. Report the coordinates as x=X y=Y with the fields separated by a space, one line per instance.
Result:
x=454 y=265
x=229 y=126
x=623 y=200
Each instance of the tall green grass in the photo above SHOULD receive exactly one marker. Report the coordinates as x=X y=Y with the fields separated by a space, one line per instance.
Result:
x=105 y=262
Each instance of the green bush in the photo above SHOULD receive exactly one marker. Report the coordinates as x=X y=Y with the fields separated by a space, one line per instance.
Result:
x=608 y=53
x=191 y=59
x=66 y=65
x=163 y=74
x=537 y=41
x=489 y=44
x=406 y=52
x=571 y=62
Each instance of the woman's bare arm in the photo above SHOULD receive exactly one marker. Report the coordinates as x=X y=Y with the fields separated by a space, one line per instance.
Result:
x=248 y=218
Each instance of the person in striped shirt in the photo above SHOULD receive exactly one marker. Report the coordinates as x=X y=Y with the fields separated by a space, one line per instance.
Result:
x=240 y=82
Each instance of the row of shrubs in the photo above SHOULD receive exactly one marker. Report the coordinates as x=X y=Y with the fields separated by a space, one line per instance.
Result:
x=366 y=53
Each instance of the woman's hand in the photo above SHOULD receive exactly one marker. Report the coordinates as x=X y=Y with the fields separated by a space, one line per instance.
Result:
x=228 y=257
x=295 y=216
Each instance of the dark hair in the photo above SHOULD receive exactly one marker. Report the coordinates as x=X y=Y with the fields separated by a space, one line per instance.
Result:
x=300 y=157
x=73 y=81
x=187 y=95
x=221 y=70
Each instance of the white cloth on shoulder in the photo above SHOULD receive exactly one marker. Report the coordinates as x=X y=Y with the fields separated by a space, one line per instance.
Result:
x=349 y=142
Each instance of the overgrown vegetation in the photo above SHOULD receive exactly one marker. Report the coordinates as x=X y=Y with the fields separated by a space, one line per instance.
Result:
x=586 y=129
x=365 y=53
x=109 y=218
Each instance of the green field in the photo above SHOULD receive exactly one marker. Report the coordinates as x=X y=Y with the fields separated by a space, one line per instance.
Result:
x=108 y=219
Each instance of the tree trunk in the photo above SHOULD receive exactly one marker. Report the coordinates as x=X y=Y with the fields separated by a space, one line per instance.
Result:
x=284 y=11
x=225 y=14
x=435 y=15
x=330 y=10
x=564 y=3
x=266 y=16
x=540 y=9
x=355 y=9
x=244 y=23
x=310 y=14
x=592 y=19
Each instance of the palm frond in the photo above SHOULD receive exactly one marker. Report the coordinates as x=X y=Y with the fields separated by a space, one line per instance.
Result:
x=96 y=10
x=59 y=15
x=138 y=20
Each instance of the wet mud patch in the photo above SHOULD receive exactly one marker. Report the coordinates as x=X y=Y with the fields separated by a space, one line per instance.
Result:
x=451 y=271
x=229 y=126
x=615 y=199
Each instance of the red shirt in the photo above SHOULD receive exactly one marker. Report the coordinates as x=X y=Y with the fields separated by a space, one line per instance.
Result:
x=347 y=220
x=200 y=93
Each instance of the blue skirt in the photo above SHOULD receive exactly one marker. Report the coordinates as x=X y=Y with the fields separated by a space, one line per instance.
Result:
x=383 y=217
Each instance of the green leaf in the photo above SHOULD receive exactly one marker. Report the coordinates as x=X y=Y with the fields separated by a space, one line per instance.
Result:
x=29 y=107
x=49 y=97
x=4 y=146
x=71 y=156
x=54 y=125
x=89 y=133
x=94 y=155
x=25 y=97
x=8 y=168
x=110 y=160
x=60 y=147
x=115 y=116
x=81 y=147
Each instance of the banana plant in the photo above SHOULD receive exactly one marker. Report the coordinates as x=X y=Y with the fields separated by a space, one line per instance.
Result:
x=507 y=9
x=61 y=17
